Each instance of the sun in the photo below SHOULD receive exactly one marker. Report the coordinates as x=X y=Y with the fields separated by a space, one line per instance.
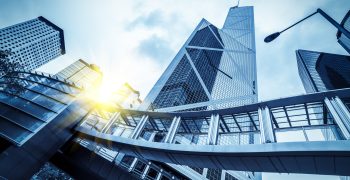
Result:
x=102 y=93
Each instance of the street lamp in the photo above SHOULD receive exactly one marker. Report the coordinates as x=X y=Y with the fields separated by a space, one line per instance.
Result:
x=273 y=36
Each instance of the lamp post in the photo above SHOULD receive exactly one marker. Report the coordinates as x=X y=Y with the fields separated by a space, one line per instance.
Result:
x=273 y=36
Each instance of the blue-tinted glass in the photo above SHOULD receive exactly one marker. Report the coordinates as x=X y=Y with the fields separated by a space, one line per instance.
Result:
x=183 y=87
x=334 y=70
x=42 y=100
x=205 y=38
x=27 y=107
x=65 y=98
x=14 y=115
x=216 y=31
x=12 y=131
x=66 y=88
x=57 y=95
x=207 y=63
x=52 y=83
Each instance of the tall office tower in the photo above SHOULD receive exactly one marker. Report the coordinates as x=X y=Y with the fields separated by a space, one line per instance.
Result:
x=323 y=71
x=214 y=69
x=82 y=73
x=33 y=43
x=343 y=40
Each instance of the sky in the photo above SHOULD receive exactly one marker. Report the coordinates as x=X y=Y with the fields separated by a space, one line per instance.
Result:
x=134 y=40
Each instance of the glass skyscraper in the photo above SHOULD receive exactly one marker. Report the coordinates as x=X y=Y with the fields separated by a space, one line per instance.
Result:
x=214 y=69
x=323 y=71
x=33 y=43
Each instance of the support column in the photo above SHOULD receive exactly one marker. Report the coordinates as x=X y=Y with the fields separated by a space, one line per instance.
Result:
x=344 y=110
x=133 y=164
x=111 y=121
x=169 y=138
x=340 y=115
x=159 y=175
x=135 y=134
x=139 y=127
x=266 y=129
x=213 y=129
x=223 y=174
x=145 y=172
x=205 y=172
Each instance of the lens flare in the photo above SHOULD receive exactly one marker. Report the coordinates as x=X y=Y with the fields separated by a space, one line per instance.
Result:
x=102 y=93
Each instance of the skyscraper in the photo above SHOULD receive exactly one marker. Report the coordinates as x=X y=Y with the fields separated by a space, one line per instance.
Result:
x=82 y=73
x=33 y=43
x=343 y=40
x=323 y=71
x=214 y=69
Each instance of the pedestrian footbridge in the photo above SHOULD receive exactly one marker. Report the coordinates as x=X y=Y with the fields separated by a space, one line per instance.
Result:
x=301 y=134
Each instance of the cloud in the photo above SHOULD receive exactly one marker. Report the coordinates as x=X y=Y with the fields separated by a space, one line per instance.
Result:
x=153 y=19
x=156 y=48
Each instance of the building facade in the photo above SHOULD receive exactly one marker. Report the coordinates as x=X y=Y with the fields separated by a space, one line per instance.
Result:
x=343 y=40
x=82 y=73
x=323 y=71
x=36 y=122
x=33 y=43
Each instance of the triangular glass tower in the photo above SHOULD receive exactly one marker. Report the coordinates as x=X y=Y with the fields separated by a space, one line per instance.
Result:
x=214 y=69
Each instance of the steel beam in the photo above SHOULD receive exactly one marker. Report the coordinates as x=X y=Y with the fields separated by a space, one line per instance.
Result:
x=169 y=138
x=145 y=172
x=252 y=120
x=159 y=175
x=339 y=116
x=239 y=127
x=287 y=116
x=344 y=110
x=307 y=114
x=213 y=129
x=133 y=164
x=266 y=129
x=111 y=121
x=139 y=127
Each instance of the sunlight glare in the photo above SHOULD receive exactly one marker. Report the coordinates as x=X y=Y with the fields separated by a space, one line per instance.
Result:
x=103 y=93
